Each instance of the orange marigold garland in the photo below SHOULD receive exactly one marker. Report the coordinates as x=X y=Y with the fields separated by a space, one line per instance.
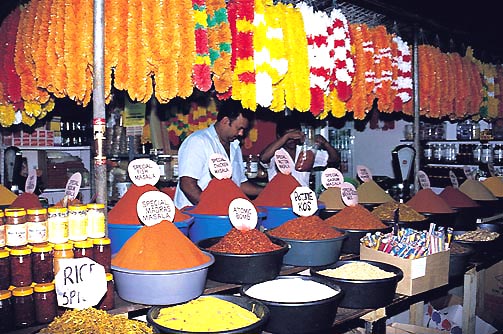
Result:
x=112 y=45
x=85 y=19
x=71 y=37
x=383 y=68
x=187 y=49
x=120 y=40
x=358 y=101
x=146 y=70
x=40 y=46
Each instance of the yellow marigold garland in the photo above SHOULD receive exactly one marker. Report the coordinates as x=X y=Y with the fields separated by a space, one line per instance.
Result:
x=112 y=45
x=120 y=40
x=188 y=48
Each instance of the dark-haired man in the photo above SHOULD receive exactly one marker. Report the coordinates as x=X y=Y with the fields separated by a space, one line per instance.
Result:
x=221 y=137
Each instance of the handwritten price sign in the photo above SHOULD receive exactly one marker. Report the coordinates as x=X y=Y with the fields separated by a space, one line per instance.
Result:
x=331 y=178
x=143 y=171
x=283 y=161
x=220 y=166
x=304 y=202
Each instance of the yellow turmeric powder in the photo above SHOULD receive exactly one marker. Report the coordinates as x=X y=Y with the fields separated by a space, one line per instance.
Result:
x=6 y=196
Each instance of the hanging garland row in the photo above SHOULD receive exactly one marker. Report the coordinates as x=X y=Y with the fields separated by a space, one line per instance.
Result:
x=262 y=53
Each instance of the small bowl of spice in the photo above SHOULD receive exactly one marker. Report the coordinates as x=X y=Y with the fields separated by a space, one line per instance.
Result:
x=485 y=239
x=298 y=304
x=244 y=257
x=458 y=259
x=211 y=314
x=407 y=216
x=311 y=241
x=366 y=284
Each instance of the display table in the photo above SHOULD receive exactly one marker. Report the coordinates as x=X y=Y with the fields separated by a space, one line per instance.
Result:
x=372 y=320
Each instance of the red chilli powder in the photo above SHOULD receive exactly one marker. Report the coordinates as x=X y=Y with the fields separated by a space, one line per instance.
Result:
x=244 y=242
x=26 y=201
x=355 y=217
x=456 y=198
x=277 y=192
x=425 y=200
x=305 y=228
x=217 y=196
x=124 y=211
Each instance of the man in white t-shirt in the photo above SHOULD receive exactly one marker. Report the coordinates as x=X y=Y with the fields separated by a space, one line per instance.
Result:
x=221 y=137
x=290 y=137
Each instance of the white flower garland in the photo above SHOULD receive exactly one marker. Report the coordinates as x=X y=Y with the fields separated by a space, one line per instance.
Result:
x=403 y=61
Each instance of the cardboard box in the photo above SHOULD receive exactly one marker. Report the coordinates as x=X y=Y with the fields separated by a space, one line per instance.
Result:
x=398 y=328
x=493 y=294
x=419 y=275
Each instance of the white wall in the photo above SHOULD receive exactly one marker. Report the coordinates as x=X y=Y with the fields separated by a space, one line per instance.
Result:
x=373 y=148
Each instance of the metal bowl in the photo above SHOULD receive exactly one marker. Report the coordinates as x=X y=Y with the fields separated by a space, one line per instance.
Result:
x=361 y=294
x=258 y=308
x=244 y=268
x=161 y=287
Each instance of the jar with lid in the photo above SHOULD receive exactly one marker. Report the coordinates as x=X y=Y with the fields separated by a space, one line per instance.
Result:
x=464 y=130
x=4 y=269
x=96 y=220
x=20 y=267
x=42 y=263
x=164 y=164
x=6 y=311
x=57 y=222
x=498 y=154
x=46 y=304
x=15 y=228
x=251 y=166
x=477 y=153
x=475 y=131
x=62 y=251
x=24 y=306
x=428 y=153
x=77 y=222
x=486 y=154
x=174 y=165
x=36 y=221
x=2 y=230
x=103 y=252
x=108 y=302
x=83 y=248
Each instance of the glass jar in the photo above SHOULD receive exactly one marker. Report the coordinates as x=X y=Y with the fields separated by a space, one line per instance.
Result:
x=83 y=249
x=251 y=167
x=475 y=131
x=24 y=306
x=486 y=154
x=2 y=230
x=15 y=228
x=498 y=154
x=62 y=251
x=96 y=220
x=20 y=267
x=77 y=222
x=42 y=263
x=57 y=222
x=46 y=304
x=108 y=302
x=477 y=153
x=4 y=269
x=6 y=311
x=164 y=164
x=103 y=252
x=36 y=221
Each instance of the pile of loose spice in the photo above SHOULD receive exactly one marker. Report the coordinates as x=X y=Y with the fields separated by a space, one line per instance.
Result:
x=355 y=218
x=217 y=196
x=456 y=198
x=386 y=212
x=332 y=199
x=305 y=228
x=425 y=200
x=159 y=247
x=26 y=201
x=244 y=242
x=277 y=192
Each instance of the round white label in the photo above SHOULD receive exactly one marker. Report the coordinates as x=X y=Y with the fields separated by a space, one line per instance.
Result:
x=242 y=214
x=31 y=181
x=331 y=178
x=304 y=202
x=220 y=166
x=155 y=206
x=424 y=180
x=349 y=194
x=284 y=162
x=143 y=171
x=80 y=283
x=73 y=186
x=363 y=173
x=454 y=179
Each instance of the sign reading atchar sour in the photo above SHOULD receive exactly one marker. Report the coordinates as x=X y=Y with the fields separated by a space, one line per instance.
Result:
x=304 y=202
x=155 y=206
x=143 y=171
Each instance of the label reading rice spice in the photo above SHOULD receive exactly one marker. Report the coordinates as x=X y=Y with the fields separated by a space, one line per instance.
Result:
x=155 y=206
x=242 y=214
x=220 y=166
x=364 y=173
x=304 y=202
x=283 y=161
x=331 y=178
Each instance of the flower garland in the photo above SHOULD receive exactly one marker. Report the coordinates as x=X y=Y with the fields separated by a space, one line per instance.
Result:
x=499 y=89
x=344 y=70
x=40 y=43
x=241 y=16
x=201 y=70
x=489 y=108
x=219 y=39
x=403 y=82
x=384 y=68
x=321 y=62
x=425 y=77
x=119 y=41
x=296 y=81
x=187 y=54
x=358 y=101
